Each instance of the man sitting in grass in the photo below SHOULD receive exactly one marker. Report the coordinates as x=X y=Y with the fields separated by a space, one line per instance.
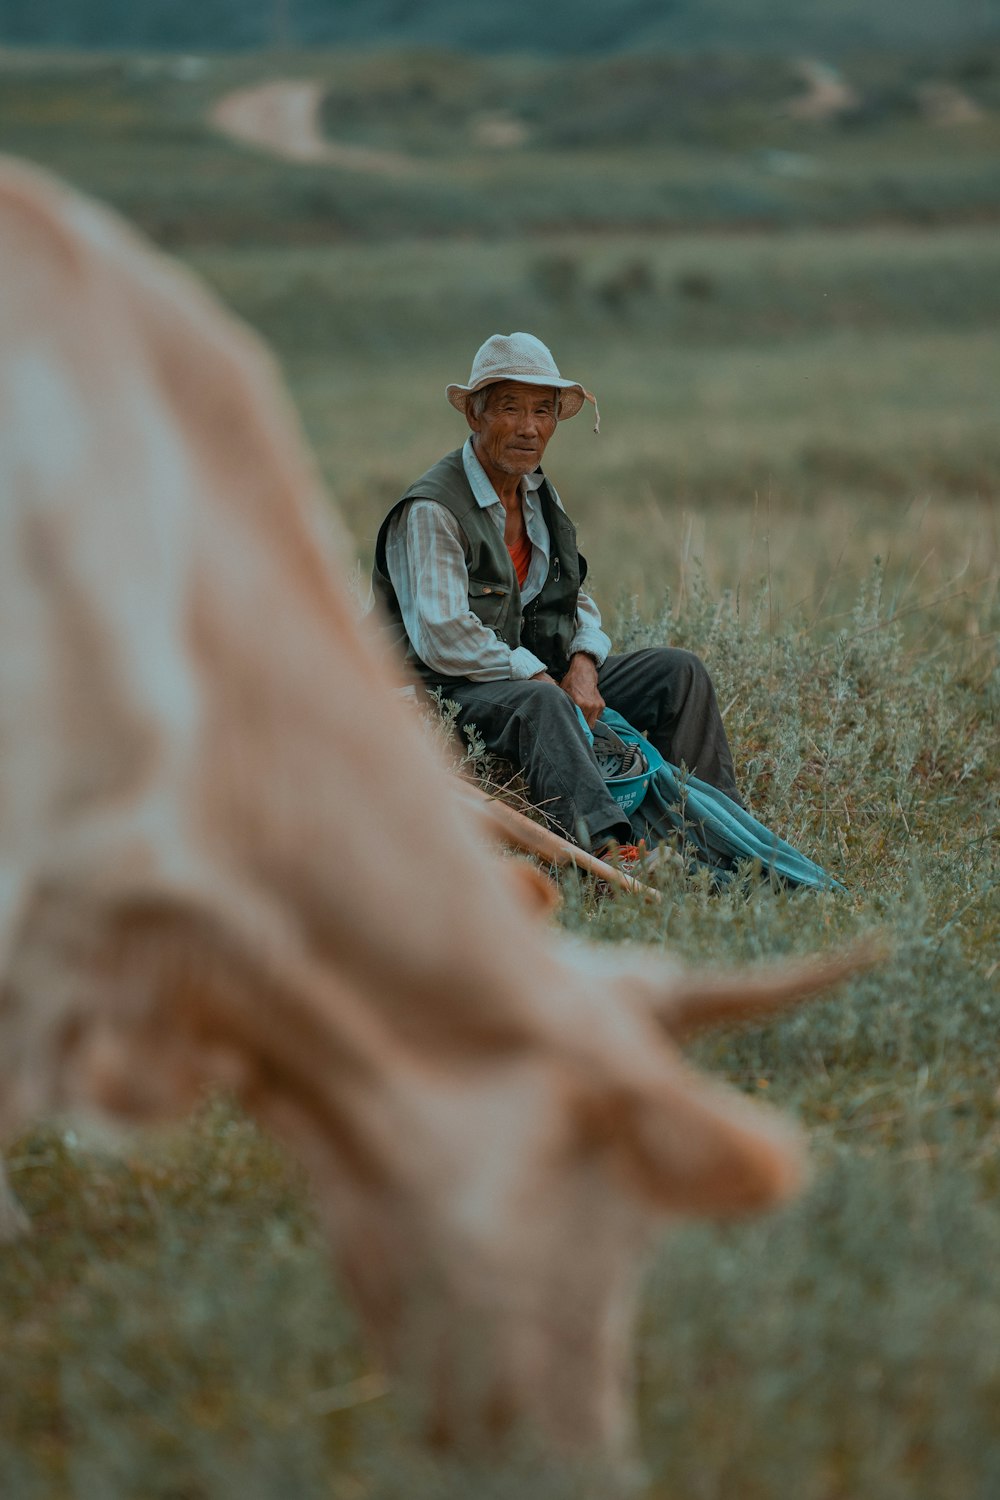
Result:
x=477 y=568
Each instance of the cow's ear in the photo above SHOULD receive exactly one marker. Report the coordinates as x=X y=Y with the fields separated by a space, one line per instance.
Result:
x=689 y=1002
x=694 y=1147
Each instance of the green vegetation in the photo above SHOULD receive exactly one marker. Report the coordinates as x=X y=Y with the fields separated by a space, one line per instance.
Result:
x=797 y=476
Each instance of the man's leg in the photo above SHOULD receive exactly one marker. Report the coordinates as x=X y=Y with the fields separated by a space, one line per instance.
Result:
x=669 y=694
x=535 y=726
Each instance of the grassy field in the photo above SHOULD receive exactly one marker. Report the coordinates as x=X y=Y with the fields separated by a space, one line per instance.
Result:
x=816 y=402
x=798 y=476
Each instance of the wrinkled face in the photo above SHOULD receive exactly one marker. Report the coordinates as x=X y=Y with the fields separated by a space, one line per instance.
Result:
x=515 y=426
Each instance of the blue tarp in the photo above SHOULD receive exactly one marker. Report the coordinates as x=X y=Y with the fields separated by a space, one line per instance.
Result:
x=713 y=828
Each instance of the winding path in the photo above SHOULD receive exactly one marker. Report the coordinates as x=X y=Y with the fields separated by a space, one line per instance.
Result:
x=282 y=118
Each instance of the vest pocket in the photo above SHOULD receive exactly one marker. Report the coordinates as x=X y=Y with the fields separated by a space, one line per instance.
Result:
x=487 y=600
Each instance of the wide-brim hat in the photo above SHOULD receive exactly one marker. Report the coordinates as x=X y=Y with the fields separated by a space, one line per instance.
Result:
x=522 y=358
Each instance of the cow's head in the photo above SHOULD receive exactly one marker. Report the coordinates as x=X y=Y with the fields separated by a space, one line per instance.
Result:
x=495 y=1231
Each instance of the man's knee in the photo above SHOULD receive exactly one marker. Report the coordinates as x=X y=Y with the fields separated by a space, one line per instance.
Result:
x=680 y=659
x=679 y=668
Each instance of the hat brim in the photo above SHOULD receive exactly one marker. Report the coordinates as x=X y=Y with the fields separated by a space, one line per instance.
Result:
x=572 y=394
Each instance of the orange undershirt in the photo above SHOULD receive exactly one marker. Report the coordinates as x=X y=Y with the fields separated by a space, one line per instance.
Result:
x=520 y=556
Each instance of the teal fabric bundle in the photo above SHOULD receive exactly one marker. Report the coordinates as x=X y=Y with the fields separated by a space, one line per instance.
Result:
x=712 y=827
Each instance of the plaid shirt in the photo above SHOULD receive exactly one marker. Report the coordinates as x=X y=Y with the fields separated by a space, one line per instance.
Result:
x=425 y=556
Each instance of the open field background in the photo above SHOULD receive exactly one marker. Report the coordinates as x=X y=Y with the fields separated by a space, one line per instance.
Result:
x=791 y=327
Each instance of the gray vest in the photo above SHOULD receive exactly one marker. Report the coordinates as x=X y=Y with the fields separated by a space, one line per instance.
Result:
x=547 y=625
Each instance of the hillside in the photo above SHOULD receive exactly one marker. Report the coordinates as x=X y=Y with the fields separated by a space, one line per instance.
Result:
x=501 y=145
x=833 y=28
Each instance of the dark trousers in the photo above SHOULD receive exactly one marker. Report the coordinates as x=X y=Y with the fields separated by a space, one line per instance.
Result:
x=665 y=692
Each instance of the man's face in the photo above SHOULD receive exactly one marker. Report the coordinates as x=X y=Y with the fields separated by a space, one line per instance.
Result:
x=516 y=424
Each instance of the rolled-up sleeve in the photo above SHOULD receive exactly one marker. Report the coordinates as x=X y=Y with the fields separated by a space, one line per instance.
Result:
x=425 y=557
x=590 y=636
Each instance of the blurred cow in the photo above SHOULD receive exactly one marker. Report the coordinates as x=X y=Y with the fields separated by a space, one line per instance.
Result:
x=228 y=858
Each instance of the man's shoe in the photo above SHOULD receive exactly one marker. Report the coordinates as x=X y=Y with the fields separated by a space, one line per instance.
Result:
x=638 y=860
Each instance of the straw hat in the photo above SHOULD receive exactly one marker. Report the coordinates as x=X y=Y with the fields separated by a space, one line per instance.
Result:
x=521 y=357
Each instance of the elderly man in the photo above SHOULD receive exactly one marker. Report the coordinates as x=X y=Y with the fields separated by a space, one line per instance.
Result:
x=478 y=570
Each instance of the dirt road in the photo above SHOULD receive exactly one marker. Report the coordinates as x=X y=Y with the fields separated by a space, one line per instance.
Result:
x=282 y=117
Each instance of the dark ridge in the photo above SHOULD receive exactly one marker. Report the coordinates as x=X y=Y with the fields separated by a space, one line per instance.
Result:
x=830 y=28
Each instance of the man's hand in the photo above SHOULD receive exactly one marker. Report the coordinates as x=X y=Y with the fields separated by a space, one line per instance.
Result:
x=580 y=683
